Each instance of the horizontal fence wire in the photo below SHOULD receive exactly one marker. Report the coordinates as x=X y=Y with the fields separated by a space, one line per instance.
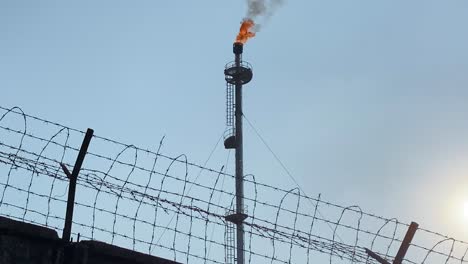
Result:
x=167 y=206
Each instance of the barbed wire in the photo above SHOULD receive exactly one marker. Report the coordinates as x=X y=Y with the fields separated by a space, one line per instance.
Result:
x=129 y=196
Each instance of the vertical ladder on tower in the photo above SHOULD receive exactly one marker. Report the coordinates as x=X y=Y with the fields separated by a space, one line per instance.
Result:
x=229 y=245
x=229 y=135
x=229 y=105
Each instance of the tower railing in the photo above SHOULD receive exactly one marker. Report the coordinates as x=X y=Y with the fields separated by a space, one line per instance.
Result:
x=238 y=73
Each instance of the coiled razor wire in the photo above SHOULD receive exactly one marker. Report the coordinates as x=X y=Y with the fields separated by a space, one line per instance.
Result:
x=155 y=203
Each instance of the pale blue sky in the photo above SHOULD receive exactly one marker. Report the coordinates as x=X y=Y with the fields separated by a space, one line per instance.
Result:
x=365 y=101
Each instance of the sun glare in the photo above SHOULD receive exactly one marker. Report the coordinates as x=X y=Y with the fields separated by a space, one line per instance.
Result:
x=465 y=209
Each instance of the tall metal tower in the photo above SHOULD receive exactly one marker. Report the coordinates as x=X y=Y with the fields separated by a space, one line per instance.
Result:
x=237 y=73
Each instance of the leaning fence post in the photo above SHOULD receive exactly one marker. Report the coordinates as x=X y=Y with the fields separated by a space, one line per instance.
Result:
x=73 y=176
x=403 y=247
x=376 y=257
x=406 y=243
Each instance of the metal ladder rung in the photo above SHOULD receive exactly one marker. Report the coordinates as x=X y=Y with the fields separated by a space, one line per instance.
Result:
x=230 y=244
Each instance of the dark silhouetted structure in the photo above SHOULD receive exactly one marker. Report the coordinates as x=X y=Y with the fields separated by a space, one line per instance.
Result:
x=25 y=243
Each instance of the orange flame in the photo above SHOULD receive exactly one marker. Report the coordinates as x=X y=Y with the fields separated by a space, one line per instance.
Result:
x=245 y=31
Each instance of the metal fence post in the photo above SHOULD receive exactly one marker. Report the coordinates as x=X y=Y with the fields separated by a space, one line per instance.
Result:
x=73 y=176
x=403 y=247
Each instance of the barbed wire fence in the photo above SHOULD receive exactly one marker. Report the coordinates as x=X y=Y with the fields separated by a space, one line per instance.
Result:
x=168 y=206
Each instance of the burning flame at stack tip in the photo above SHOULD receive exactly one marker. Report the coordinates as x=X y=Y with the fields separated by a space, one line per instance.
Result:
x=245 y=32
